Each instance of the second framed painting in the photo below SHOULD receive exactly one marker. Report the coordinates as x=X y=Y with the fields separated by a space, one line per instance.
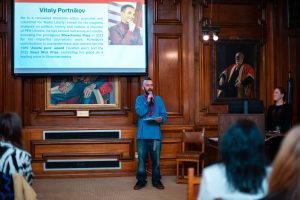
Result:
x=235 y=67
x=82 y=93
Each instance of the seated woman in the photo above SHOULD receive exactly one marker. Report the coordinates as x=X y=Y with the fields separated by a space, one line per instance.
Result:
x=279 y=119
x=280 y=113
x=13 y=159
x=242 y=172
x=285 y=177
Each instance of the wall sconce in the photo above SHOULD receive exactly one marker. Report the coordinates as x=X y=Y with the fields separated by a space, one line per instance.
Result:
x=209 y=30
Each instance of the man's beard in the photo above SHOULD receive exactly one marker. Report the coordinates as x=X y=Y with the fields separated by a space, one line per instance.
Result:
x=147 y=92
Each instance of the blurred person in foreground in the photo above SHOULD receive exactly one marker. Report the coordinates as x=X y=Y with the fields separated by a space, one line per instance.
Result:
x=242 y=171
x=13 y=158
x=284 y=182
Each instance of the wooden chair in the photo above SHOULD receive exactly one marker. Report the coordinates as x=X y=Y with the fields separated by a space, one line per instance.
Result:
x=193 y=184
x=188 y=156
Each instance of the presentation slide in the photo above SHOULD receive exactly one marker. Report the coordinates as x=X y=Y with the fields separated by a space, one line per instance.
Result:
x=79 y=37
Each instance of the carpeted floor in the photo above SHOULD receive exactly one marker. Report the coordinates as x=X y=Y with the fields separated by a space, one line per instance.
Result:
x=108 y=188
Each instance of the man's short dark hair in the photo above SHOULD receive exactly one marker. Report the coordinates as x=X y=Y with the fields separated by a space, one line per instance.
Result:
x=123 y=8
x=147 y=78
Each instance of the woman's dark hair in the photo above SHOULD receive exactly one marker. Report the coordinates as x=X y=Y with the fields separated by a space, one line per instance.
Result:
x=242 y=152
x=11 y=128
x=282 y=91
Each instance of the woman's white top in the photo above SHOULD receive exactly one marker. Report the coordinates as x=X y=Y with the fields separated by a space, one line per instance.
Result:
x=214 y=185
x=15 y=160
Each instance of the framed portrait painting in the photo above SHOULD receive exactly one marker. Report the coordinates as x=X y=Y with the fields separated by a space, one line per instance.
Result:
x=235 y=67
x=82 y=93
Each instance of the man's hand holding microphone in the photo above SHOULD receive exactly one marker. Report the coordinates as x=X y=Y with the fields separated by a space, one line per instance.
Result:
x=150 y=97
x=151 y=100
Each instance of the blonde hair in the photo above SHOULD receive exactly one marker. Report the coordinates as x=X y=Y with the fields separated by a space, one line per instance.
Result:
x=285 y=177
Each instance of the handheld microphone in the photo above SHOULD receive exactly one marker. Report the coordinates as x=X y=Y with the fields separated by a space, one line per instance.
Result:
x=151 y=96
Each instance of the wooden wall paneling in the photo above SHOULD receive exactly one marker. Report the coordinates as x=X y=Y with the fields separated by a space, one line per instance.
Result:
x=294 y=52
x=197 y=15
x=113 y=119
x=207 y=111
x=169 y=72
x=167 y=11
x=12 y=100
x=2 y=71
x=282 y=45
x=125 y=99
x=168 y=154
x=202 y=54
x=188 y=66
x=26 y=138
x=171 y=144
x=150 y=26
x=35 y=94
x=202 y=76
x=42 y=150
x=125 y=86
x=12 y=86
x=238 y=20
x=295 y=63
x=127 y=169
x=3 y=11
x=61 y=149
x=3 y=54
x=180 y=66
x=37 y=133
x=286 y=44
x=177 y=62
x=80 y=148
x=241 y=14
x=3 y=21
x=267 y=94
x=136 y=91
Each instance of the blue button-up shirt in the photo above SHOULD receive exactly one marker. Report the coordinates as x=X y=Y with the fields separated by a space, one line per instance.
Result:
x=149 y=129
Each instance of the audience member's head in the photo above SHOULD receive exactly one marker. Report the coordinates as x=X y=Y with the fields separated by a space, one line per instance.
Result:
x=285 y=177
x=11 y=128
x=242 y=152
x=279 y=95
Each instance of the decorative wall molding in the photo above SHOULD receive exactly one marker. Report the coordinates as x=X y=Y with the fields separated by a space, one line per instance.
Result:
x=3 y=12
x=168 y=66
x=167 y=12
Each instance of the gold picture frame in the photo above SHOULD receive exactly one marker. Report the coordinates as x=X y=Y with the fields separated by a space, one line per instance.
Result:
x=223 y=57
x=82 y=93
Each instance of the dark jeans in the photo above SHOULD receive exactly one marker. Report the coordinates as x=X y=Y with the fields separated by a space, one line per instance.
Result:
x=154 y=146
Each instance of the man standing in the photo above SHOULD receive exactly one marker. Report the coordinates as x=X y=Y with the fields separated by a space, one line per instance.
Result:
x=126 y=32
x=151 y=113
x=237 y=80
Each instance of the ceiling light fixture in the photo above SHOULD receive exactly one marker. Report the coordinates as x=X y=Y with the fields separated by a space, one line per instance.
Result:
x=208 y=30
